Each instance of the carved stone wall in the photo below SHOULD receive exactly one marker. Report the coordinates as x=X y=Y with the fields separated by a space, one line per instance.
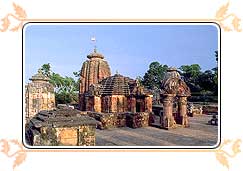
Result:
x=61 y=127
x=138 y=119
x=167 y=120
x=72 y=136
x=113 y=120
x=148 y=103
x=182 y=117
x=132 y=104
x=118 y=104
x=105 y=103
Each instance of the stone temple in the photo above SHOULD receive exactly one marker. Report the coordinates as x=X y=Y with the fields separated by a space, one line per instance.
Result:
x=116 y=94
x=115 y=101
x=101 y=92
x=93 y=71
x=39 y=95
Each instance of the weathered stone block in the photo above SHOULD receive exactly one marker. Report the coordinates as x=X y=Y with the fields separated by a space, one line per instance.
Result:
x=39 y=95
x=109 y=120
x=137 y=120
x=61 y=127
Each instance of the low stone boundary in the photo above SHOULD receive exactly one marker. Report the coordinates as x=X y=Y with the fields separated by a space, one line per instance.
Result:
x=138 y=120
x=114 y=120
x=109 y=120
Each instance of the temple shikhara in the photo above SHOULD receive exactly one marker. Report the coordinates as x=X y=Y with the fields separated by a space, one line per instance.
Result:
x=101 y=92
x=105 y=101
x=93 y=71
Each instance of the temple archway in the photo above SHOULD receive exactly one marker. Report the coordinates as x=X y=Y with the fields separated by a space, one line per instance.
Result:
x=173 y=87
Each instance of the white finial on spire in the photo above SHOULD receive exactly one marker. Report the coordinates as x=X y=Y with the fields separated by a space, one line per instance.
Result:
x=93 y=39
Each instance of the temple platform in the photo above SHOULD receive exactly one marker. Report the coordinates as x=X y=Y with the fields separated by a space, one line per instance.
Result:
x=200 y=133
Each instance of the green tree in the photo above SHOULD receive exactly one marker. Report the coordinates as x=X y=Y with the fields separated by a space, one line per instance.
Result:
x=77 y=75
x=154 y=75
x=190 y=74
x=66 y=90
x=191 y=71
x=206 y=81
x=139 y=79
x=46 y=69
x=216 y=72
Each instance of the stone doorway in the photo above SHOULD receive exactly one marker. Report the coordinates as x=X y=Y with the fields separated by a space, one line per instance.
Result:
x=138 y=106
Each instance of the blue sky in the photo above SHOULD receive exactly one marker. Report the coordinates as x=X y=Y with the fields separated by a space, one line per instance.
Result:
x=129 y=49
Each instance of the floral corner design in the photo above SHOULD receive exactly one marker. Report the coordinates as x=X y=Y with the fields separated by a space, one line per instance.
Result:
x=19 y=16
x=223 y=156
x=222 y=17
x=13 y=151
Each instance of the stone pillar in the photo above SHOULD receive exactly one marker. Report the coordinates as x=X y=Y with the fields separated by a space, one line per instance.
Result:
x=97 y=104
x=167 y=120
x=125 y=104
x=109 y=103
x=81 y=102
x=113 y=104
x=89 y=103
x=182 y=111
x=148 y=103
x=133 y=104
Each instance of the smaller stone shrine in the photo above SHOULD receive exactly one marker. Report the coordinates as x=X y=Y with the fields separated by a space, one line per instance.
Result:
x=39 y=95
x=174 y=89
x=116 y=94
x=119 y=101
x=61 y=127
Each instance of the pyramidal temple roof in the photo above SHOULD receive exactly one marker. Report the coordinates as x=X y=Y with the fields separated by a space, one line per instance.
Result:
x=39 y=77
x=116 y=85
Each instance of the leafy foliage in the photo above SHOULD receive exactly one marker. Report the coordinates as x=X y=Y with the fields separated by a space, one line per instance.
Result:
x=46 y=69
x=65 y=87
x=154 y=75
x=191 y=74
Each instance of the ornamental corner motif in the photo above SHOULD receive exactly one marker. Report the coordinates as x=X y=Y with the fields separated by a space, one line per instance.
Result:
x=18 y=16
x=224 y=156
x=17 y=156
x=223 y=18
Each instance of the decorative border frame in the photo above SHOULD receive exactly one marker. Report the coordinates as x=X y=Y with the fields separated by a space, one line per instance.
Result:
x=124 y=147
x=221 y=17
